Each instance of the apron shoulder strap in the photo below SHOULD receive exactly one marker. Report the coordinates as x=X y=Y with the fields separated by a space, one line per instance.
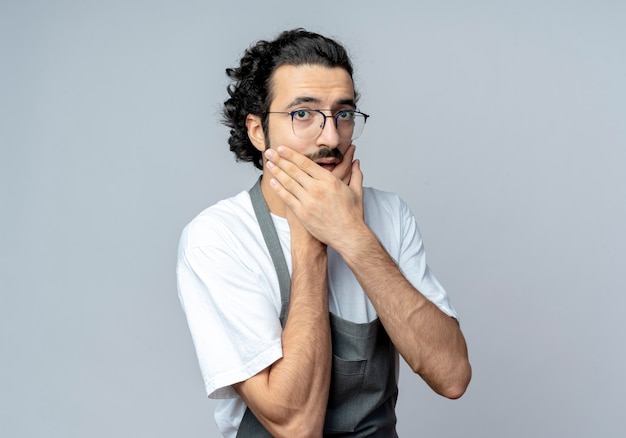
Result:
x=273 y=245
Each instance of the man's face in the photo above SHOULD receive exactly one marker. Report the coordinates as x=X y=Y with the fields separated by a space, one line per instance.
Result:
x=310 y=87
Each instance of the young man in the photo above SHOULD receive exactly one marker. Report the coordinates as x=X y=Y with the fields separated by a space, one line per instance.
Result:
x=301 y=292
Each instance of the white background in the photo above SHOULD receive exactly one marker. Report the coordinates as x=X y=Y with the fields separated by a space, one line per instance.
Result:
x=501 y=123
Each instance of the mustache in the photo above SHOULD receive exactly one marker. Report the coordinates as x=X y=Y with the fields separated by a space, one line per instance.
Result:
x=325 y=153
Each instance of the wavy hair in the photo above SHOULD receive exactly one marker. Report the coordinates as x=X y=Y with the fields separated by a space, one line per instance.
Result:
x=250 y=91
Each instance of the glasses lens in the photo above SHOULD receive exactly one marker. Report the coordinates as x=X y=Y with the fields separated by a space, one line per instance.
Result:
x=308 y=124
x=350 y=124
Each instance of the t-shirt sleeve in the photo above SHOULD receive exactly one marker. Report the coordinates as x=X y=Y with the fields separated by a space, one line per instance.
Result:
x=412 y=262
x=233 y=321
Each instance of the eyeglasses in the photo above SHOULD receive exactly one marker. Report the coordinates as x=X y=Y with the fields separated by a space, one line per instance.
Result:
x=308 y=124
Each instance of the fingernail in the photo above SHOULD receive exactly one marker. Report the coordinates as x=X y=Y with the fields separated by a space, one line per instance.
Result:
x=270 y=153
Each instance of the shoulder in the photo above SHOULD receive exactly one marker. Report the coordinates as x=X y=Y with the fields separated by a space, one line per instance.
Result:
x=381 y=197
x=382 y=204
x=391 y=219
x=219 y=223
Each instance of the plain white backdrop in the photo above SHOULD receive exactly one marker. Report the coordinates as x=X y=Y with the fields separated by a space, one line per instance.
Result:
x=501 y=123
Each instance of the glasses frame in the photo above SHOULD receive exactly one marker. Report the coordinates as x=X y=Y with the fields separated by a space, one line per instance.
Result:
x=334 y=117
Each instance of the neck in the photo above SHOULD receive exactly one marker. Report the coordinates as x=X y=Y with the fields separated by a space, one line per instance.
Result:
x=274 y=203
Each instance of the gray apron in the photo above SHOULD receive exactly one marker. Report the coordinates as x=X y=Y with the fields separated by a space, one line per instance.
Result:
x=363 y=388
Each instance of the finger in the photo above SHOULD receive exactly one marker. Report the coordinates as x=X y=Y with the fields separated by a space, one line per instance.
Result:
x=288 y=173
x=349 y=154
x=290 y=200
x=344 y=169
x=356 y=181
x=282 y=183
x=297 y=165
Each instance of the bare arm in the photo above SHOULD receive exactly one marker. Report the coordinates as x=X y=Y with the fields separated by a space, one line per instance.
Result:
x=289 y=398
x=430 y=341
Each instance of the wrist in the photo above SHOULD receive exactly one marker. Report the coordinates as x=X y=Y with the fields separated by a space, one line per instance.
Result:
x=359 y=241
x=310 y=256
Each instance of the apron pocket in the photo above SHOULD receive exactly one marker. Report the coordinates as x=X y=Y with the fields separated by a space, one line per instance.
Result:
x=346 y=381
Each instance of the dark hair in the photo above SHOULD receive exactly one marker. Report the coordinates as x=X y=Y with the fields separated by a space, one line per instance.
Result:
x=250 y=92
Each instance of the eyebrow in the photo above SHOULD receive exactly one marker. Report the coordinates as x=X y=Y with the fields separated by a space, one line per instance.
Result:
x=307 y=99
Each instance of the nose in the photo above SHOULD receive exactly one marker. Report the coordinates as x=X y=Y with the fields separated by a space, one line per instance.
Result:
x=329 y=136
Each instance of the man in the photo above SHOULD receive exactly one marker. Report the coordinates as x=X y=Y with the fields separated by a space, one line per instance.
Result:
x=301 y=292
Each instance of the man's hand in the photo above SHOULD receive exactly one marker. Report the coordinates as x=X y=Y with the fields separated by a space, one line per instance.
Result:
x=328 y=204
x=343 y=170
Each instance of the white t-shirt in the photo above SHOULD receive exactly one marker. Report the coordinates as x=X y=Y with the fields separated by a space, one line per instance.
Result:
x=228 y=288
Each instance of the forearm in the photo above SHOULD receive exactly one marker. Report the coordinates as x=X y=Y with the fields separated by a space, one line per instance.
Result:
x=291 y=397
x=430 y=341
x=307 y=343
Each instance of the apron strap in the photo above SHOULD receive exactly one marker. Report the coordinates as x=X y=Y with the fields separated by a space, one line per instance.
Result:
x=273 y=245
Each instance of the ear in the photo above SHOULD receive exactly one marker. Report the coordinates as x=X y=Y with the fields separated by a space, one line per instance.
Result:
x=255 y=131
